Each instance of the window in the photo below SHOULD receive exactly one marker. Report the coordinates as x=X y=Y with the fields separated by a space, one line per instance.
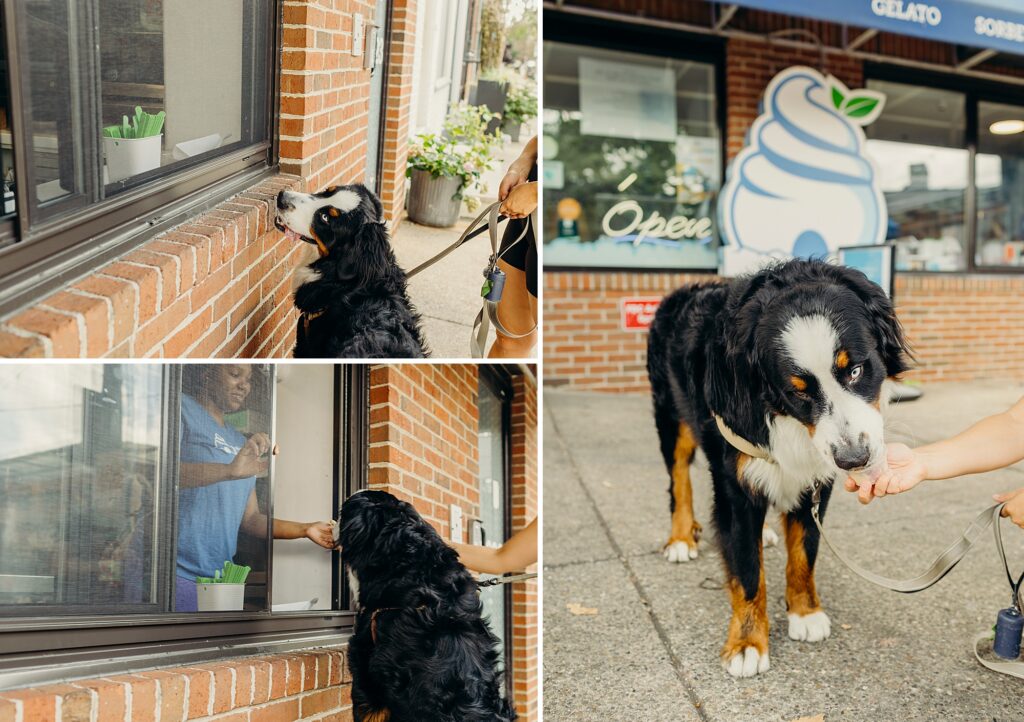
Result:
x=199 y=76
x=121 y=484
x=950 y=165
x=999 y=181
x=632 y=158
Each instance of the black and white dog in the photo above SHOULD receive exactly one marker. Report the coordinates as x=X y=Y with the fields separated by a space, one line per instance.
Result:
x=780 y=378
x=421 y=650
x=352 y=295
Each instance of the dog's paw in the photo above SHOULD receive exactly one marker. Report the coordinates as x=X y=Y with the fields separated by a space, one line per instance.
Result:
x=747 y=663
x=813 y=627
x=768 y=537
x=678 y=551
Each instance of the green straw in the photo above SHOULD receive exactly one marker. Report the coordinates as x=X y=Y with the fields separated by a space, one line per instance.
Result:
x=230 y=574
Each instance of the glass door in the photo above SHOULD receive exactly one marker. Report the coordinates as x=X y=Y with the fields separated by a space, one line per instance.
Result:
x=493 y=524
x=377 y=36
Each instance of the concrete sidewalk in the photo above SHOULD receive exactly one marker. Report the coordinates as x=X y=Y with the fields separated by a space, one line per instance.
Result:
x=651 y=651
x=448 y=293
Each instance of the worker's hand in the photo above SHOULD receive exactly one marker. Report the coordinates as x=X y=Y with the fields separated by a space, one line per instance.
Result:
x=248 y=461
x=521 y=201
x=322 y=533
x=1014 y=508
x=517 y=175
x=904 y=470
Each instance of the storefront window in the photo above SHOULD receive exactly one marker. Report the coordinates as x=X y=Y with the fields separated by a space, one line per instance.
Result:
x=919 y=147
x=632 y=159
x=999 y=182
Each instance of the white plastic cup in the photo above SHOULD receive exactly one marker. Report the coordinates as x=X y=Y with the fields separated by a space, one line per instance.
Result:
x=220 y=597
x=127 y=157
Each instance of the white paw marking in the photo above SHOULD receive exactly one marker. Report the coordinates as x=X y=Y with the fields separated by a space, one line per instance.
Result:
x=680 y=551
x=813 y=627
x=748 y=663
x=768 y=537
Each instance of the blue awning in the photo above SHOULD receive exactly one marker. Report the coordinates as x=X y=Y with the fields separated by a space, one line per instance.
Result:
x=989 y=24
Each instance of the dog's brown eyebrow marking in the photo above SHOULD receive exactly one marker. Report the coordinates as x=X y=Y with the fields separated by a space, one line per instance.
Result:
x=842 y=360
x=334 y=212
x=331 y=189
x=798 y=383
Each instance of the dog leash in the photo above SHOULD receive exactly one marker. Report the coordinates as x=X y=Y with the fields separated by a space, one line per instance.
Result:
x=495 y=581
x=939 y=568
x=494 y=284
x=471 y=232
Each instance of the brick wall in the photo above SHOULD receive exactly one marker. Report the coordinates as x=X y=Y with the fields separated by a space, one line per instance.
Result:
x=424 y=448
x=313 y=686
x=963 y=327
x=219 y=285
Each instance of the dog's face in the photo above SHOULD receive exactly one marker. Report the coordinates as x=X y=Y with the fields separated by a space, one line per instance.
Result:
x=329 y=218
x=826 y=353
x=381 y=532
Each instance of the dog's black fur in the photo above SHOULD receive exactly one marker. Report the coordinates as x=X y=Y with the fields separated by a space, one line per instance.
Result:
x=714 y=348
x=361 y=291
x=434 y=657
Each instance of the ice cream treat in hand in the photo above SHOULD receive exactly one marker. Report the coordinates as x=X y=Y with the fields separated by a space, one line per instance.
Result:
x=803 y=186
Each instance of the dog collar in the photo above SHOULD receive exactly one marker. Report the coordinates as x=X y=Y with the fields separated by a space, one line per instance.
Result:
x=373 y=618
x=741 y=444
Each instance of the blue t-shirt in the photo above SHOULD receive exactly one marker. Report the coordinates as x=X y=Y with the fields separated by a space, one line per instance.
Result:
x=208 y=516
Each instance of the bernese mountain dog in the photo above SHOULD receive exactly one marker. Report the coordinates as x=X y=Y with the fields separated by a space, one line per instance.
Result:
x=352 y=294
x=779 y=377
x=421 y=649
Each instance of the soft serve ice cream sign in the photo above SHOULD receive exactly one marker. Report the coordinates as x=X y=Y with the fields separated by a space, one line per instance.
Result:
x=803 y=186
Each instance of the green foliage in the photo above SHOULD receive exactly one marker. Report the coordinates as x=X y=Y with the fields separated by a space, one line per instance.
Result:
x=492 y=35
x=143 y=125
x=465 y=150
x=521 y=103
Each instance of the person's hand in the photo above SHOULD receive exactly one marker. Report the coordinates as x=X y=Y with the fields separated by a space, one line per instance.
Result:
x=248 y=461
x=322 y=533
x=904 y=470
x=520 y=202
x=515 y=176
x=1014 y=508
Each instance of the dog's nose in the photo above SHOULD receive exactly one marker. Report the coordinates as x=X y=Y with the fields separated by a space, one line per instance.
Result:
x=282 y=201
x=850 y=456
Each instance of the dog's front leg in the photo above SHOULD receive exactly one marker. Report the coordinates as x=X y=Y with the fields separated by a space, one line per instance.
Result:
x=739 y=523
x=807 y=621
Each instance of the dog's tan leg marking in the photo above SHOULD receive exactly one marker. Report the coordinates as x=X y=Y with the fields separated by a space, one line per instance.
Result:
x=375 y=715
x=682 y=541
x=745 y=652
x=807 y=621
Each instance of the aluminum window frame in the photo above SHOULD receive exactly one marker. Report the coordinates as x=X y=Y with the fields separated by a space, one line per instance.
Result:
x=41 y=649
x=39 y=254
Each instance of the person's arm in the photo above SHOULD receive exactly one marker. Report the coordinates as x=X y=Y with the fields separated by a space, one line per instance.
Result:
x=514 y=555
x=519 y=170
x=992 y=443
x=247 y=462
x=255 y=522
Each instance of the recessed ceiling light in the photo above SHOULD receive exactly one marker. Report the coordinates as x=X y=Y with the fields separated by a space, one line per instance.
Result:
x=1007 y=127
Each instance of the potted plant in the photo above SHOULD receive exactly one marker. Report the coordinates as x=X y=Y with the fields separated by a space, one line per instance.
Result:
x=133 y=147
x=443 y=167
x=520 y=106
x=224 y=592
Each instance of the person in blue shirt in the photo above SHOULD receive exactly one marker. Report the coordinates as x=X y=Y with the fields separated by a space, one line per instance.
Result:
x=217 y=479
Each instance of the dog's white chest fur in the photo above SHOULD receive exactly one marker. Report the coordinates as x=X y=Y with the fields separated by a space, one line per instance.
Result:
x=303 y=273
x=797 y=464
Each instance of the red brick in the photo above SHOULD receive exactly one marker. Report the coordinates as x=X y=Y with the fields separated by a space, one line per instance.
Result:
x=15 y=346
x=284 y=711
x=59 y=328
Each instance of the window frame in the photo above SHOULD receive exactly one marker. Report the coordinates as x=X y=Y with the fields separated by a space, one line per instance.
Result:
x=656 y=42
x=974 y=91
x=39 y=254
x=498 y=379
x=39 y=649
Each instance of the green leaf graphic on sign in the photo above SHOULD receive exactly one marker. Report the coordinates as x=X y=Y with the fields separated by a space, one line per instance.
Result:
x=860 y=107
x=837 y=98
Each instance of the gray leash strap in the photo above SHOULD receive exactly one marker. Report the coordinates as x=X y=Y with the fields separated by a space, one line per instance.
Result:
x=488 y=313
x=1014 y=668
x=939 y=568
x=470 y=231
x=495 y=581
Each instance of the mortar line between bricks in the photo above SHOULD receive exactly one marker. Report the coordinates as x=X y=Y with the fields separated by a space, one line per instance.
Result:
x=677 y=664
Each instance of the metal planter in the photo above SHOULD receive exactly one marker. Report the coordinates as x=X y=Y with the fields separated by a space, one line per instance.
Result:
x=432 y=201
